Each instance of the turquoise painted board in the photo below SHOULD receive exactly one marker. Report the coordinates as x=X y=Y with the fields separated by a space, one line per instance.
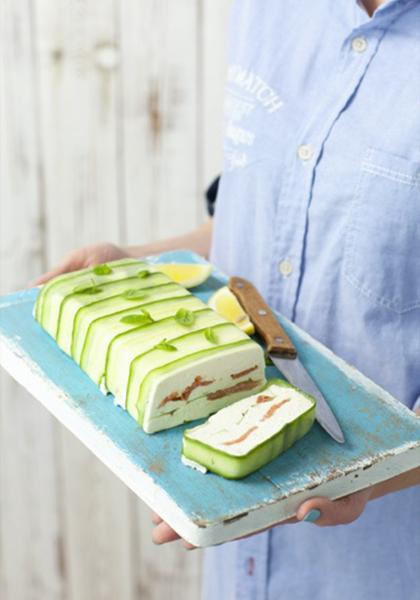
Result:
x=382 y=435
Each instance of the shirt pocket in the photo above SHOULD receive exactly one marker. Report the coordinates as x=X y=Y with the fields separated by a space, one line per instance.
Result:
x=382 y=244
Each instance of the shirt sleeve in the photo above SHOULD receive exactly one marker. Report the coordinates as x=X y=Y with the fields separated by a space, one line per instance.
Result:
x=211 y=195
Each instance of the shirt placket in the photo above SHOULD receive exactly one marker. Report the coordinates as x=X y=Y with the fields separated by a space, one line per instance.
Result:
x=251 y=568
x=292 y=219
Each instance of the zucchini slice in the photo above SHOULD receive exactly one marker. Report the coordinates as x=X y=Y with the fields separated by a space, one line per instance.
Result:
x=119 y=306
x=102 y=332
x=243 y=437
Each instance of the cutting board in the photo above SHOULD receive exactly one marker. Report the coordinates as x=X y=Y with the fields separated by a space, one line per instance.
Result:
x=382 y=435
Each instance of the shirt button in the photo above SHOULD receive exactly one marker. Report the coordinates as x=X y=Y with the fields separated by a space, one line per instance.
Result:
x=305 y=152
x=285 y=267
x=250 y=566
x=359 y=44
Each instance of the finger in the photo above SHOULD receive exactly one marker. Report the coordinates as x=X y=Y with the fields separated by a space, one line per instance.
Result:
x=156 y=519
x=187 y=545
x=58 y=270
x=44 y=277
x=162 y=534
x=333 y=512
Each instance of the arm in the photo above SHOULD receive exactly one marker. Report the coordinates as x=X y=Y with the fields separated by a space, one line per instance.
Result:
x=198 y=240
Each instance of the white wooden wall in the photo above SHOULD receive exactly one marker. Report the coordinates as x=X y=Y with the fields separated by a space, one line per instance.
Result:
x=110 y=120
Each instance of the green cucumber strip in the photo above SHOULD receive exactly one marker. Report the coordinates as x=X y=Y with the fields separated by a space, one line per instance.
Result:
x=108 y=306
x=73 y=302
x=52 y=303
x=235 y=467
x=73 y=277
x=138 y=409
x=187 y=345
x=140 y=342
x=103 y=332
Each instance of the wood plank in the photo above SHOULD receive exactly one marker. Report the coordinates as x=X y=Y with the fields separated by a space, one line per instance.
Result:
x=30 y=542
x=79 y=59
x=159 y=83
x=213 y=74
x=167 y=571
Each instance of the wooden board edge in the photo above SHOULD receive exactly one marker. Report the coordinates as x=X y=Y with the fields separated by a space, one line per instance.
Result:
x=199 y=533
x=404 y=459
x=25 y=372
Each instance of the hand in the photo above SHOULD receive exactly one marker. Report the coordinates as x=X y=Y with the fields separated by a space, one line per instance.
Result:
x=332 y=512
x=82 y=258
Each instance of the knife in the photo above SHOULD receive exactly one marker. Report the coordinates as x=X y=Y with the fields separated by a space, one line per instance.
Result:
x=282 y=352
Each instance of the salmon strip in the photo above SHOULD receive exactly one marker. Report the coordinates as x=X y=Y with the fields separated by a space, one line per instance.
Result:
x=245 y=372
x=241 y=438
x=184 y=395
x=238 y=387
x=270 y=412
x=264 y=398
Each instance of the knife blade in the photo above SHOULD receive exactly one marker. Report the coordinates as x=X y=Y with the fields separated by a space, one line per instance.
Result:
x=282 y=352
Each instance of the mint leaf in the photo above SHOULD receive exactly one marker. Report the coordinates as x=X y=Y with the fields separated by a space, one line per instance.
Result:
x=164 y=345
x=136 y=319
x=184 y=316
x=87 y=289
x=210 y=335
x=102 y=269
x=143 y=273
x=134 y=295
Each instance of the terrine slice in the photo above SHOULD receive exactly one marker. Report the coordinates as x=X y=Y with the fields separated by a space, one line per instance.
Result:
x=246 y=435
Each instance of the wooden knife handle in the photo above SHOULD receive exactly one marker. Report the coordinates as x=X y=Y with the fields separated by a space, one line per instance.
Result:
x=263 y=318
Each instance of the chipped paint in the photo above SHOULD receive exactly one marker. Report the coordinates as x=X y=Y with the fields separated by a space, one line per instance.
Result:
x=156 y=467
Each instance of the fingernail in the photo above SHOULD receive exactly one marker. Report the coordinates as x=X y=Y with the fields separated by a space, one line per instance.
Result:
x=312 y=515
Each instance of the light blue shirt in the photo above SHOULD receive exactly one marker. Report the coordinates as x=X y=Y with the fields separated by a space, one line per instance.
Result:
x=319 y=205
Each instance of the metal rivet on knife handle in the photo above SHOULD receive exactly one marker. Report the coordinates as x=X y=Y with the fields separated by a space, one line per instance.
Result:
x=263 y=318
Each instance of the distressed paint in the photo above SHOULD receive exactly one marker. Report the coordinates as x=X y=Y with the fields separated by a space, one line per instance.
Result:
x=382 y=435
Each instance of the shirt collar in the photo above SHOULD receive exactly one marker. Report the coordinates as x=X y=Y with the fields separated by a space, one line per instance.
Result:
x=383 y=15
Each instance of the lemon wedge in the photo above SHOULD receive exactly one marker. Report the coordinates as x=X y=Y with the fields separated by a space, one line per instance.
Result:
x=186 y=274
x=226 y=304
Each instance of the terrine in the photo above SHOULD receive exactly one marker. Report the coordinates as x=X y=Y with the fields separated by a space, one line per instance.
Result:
x=246 y=435
x=165 y=355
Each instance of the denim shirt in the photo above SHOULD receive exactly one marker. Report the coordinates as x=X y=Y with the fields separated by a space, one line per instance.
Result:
x=319 y=206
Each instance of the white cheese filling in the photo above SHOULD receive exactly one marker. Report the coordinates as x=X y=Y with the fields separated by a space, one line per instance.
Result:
x=216 y=370
x=193 y=464
x=240 y=427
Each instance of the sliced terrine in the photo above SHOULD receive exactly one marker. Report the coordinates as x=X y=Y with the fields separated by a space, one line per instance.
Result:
x=164 y=353
x=244 y=436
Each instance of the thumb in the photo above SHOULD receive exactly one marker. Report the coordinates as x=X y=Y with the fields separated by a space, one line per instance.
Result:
x=333 y=512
